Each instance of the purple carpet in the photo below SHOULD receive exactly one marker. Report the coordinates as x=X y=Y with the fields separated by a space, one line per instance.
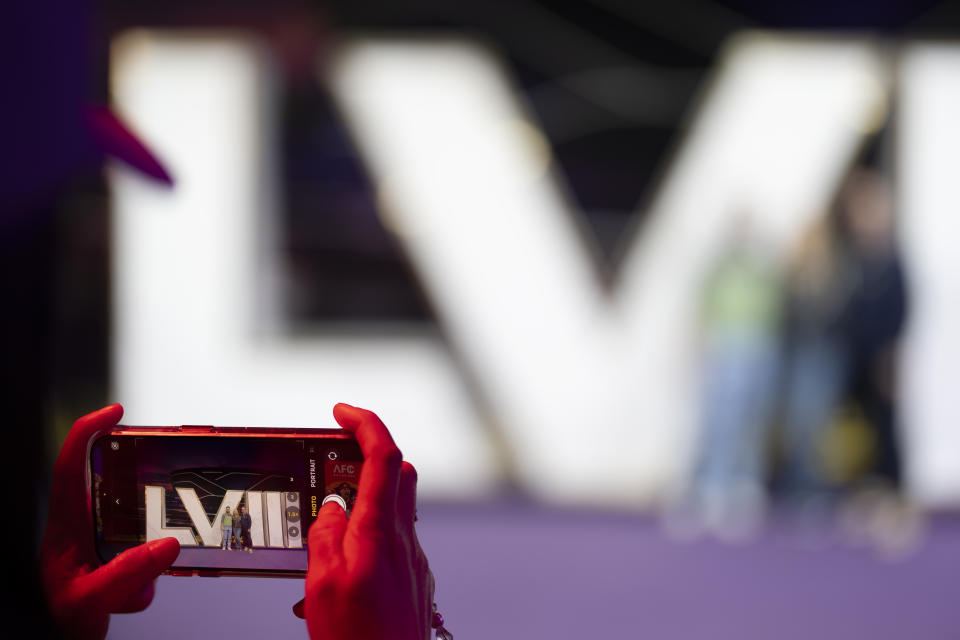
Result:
x=283 y=559
x=506 y=571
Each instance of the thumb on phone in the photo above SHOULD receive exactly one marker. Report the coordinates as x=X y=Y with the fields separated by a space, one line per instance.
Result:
x=325 y=537
x=125 y=584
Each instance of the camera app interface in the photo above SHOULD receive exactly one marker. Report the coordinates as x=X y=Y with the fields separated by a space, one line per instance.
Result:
x=233 y=503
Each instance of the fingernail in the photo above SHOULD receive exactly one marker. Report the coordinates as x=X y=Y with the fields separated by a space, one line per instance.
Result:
x=334 y=500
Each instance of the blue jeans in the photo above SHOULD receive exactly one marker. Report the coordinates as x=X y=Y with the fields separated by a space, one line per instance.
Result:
x=816 y=377
x=227 y=532
x=740 y=382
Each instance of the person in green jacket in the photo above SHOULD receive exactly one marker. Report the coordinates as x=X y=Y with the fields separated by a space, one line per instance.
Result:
x=226 y=525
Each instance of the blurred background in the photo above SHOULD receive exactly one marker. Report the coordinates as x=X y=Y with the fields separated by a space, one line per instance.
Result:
x=660 y=300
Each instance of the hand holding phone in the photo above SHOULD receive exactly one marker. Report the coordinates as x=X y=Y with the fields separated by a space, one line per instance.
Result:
x=368 y=578
x=82 y=596
x=218 y=489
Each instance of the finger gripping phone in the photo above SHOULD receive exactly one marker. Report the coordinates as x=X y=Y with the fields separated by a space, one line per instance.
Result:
x=240 y=500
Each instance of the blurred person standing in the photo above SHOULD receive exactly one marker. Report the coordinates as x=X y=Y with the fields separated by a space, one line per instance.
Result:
x=876 y=312
x=816 y=358
x=740 y=321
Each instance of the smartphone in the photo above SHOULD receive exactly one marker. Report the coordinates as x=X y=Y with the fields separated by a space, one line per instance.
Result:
x=240 y=500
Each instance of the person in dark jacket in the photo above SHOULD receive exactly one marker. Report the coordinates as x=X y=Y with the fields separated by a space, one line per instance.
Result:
x=877 y=311
x=245 y=524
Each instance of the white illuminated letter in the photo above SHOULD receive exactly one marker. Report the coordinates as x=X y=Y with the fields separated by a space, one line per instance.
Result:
x=274 y=520
x=157 y=520
x=210 y=532
x=255 y=509
x=929 y=163
x=197 y=339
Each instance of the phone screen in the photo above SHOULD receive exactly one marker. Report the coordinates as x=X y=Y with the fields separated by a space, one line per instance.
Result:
x=236 y=504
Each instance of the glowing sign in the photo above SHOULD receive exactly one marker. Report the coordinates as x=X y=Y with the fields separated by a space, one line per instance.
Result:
x=266 y=531
x=574 y=377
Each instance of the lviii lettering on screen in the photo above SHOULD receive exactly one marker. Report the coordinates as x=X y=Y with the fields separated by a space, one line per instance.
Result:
x=275 y=518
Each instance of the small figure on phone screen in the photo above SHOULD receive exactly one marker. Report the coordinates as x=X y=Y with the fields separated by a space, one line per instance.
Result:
x=244 y=535
x=226 y=525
